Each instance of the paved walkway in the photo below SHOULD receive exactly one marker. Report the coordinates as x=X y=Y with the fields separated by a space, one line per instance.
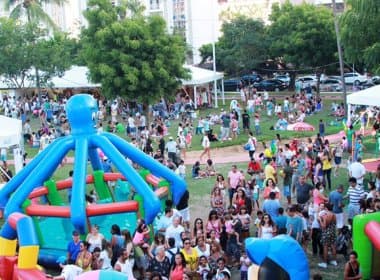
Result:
x=231 y=154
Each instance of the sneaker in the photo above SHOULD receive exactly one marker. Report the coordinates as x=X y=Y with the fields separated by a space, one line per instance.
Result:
x=323 y=265
x=334 y=263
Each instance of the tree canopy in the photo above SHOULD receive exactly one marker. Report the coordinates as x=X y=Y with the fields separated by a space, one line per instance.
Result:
x=243 y=45
x=302 y=34
x=24 y=46
x=133 y=56
x=360 y=35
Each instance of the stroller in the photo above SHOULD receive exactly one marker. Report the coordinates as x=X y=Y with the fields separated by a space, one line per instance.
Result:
x=343 y=242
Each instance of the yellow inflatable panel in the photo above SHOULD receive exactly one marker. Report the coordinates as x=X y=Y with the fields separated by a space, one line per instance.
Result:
x=7 y=247
x=27 y=257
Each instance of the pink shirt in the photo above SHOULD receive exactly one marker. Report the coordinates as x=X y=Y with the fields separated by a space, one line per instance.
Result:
x=316 y=198
x=234 y=178
x=138 y=238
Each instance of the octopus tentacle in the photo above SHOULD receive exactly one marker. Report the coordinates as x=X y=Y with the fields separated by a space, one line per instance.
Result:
x=78 y=203
x=20 y=177
x=42 y=171
x=178 y=185
x=151 y=202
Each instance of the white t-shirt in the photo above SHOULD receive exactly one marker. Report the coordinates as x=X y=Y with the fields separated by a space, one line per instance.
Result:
x=131 y=122
x=175 y=232
x=357 y=170
x=205 y=142
x=70 y=271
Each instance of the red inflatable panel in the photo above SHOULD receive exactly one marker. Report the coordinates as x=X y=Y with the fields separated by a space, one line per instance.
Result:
x=372 y=230
x=113 y=177
x=48 y=211
x=153 y=180
x=7 y=265
x=110 y=208
x=28 y=274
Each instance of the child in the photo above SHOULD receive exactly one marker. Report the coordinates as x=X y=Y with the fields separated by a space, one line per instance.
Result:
x=258 y=221
x=203 y=268
x=253 y=190
x=245 y=220
x=142 y=231
x=244 y=264
x=181 y=169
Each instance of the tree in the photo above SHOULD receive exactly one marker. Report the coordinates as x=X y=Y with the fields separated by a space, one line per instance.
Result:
x=303 y=35
x=360 y=26
x=25 y=45
x=32 y=10
x=242 y=47
x=132 y=57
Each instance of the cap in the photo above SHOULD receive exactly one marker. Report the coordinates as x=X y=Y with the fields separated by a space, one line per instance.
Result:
x=170 y=138
x=61 y=260
x=75 y=233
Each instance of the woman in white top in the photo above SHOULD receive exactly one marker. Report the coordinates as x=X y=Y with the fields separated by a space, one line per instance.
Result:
x=267 y=229
x=94 y=238
x=206 y=147
x=105 y=256
x=124 y=266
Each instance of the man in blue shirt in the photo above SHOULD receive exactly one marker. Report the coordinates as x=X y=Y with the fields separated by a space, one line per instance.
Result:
x=281 y=221
x=294 y=224
x=271 y=205
x=73 y=248
x=336 y=200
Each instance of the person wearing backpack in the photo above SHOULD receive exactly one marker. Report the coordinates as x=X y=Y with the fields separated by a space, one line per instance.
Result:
x=172 y=250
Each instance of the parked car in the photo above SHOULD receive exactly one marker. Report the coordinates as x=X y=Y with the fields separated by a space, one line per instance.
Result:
x=308 y=80
x=251 y=79
x=331 y=84
x=233 y=84
x=354 y=78
x=284 y=78
x=271 y=85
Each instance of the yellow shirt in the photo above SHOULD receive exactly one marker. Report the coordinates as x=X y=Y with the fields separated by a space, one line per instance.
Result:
x=268 y=153
x=191 y=259
x=326 y=164
x=269 y=172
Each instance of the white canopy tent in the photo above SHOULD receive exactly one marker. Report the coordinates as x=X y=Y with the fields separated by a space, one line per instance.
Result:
x=369 y=97
x=76 y=77
x=200 y=76
x=11 y=135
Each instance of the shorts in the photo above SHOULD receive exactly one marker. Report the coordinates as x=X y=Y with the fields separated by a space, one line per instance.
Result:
x=185 y=213
x=353 y=210
x=287 y=191
x=338 y=160
x=339 y=220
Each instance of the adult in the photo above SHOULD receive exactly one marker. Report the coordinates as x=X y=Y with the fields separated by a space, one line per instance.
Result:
x=222 y=271
x=267 y=229
x=213 y=223
x=327 y=220
x=270 y=186
x=336 y=200
x=206 y=146
x=221 y=184
x=287 y=173
x=217 y=201
x=271 y=206
x=352 y=268
x=354 y=193
x=203 y=248
x=165 y=220
x=94 y=238
x=326 y=168
x=254 y=167
x=73 y=248
x=171 y=148
x=179 y=267
x=160 y=263
x=175 y=230
x=190 y=254
x=318 y=196
x=303 y=191
x=239 y=199
x=294 y=224
x=269 y=171
x=84 y=257
x=357 y=170
x=252 y=145
x=234 y=178
x=117 y=242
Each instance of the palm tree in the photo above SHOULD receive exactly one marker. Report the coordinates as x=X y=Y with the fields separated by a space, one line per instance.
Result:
x=32 y=10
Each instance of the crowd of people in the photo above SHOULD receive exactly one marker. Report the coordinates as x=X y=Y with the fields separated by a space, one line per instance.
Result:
x=283 y=190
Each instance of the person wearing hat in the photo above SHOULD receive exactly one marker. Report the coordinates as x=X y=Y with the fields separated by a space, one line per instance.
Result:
x=171 y=148
x=73 y=248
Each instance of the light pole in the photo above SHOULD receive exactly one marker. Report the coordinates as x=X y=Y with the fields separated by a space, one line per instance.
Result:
x=341 y=64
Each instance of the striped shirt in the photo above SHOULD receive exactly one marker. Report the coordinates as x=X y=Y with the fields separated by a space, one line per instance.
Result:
x=355 y=194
